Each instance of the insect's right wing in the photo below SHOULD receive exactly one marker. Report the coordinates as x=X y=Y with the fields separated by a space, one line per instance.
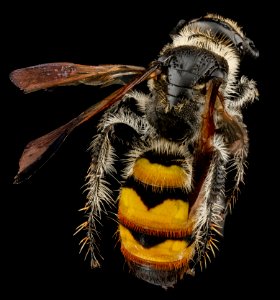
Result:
x=38 y=151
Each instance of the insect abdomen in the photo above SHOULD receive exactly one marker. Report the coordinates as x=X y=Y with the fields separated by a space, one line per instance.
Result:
x=156 y=239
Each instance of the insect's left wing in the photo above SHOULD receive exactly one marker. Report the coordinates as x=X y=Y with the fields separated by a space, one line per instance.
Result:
x=48 y=75
x=38 y=151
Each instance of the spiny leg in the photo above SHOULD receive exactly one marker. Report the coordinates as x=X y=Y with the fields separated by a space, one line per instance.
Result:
x=99 y=193
x=118 y=131
x=212 y=211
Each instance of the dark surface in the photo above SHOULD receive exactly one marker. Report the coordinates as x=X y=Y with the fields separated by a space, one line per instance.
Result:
x=39 y=254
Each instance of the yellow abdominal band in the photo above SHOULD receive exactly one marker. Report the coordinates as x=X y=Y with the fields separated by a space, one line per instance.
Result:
x=169 y=218
x=158 y=175
x=169 y=254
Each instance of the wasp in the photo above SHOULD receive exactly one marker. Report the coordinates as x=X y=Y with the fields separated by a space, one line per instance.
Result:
x=176 y=155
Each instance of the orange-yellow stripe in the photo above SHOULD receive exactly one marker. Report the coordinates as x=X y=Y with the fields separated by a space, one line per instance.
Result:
x=170 y=215
x=167 y=252
x=158 y=175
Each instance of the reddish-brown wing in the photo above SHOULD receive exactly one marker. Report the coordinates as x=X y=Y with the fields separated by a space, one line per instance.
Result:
x=38 y=151
x=63 y=73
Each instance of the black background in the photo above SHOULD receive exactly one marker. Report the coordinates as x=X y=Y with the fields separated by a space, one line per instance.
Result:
x=40 y=256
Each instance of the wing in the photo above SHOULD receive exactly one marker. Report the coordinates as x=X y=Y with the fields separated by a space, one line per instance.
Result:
x=38 y=151
x=63 y=73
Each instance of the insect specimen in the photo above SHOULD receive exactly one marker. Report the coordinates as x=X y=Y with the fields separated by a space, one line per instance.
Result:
x=168 y=151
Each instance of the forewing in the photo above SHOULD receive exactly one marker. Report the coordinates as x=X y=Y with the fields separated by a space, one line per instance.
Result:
x=49 y=75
